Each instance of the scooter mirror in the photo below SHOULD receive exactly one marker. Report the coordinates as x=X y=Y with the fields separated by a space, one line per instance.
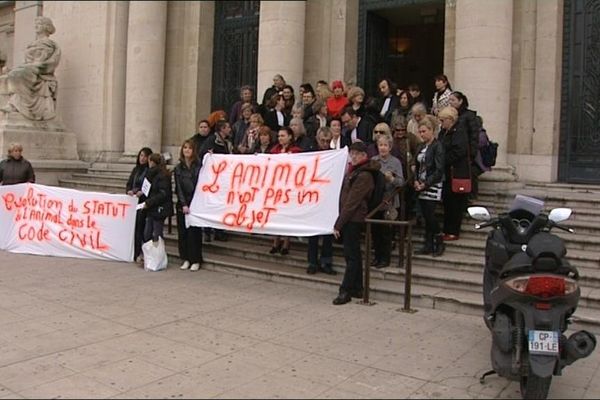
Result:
x=559 y=214
x=479 y=213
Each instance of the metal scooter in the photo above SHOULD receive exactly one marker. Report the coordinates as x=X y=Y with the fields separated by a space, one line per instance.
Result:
x=530 y=293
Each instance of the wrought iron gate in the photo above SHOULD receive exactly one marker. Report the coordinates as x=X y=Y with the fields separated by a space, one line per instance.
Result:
x=579 y=157
x=235 y=47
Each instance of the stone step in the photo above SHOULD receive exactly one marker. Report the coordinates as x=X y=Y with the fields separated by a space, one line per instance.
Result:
x=113 y=166
x=100 y=171
x=579 y=258
x=572 y=241
x=92 y=186
x=450 y=270
x=102 y=178
x=446 y=299
x=572 y=187
x=552 y=199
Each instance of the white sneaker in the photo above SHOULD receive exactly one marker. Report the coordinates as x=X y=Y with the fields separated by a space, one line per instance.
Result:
x=195 y=267
x=185 y=265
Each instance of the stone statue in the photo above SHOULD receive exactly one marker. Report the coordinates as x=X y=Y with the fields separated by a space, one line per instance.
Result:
x=31 y=87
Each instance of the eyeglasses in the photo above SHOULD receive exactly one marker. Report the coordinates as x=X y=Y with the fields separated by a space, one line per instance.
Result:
x=400 y=130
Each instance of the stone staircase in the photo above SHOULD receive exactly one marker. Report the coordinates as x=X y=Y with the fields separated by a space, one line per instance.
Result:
x=451 y=282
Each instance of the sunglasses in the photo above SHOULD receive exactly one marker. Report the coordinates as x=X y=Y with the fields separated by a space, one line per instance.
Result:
x=378 y=131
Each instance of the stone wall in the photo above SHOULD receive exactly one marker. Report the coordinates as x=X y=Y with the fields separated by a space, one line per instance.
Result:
x=91 y=73
x=7 y=29
x=188 y=69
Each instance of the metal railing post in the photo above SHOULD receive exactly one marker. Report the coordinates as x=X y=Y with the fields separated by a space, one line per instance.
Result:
x=367 y=268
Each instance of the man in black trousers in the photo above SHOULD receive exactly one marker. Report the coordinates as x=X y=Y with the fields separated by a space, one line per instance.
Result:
x=354 y=206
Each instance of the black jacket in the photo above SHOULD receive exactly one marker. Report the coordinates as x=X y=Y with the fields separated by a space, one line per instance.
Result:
x=364 y=131
x=159 y=203
x=306 y=143
x=455 y=142
x=468 y=119
x=394 y=104
x=199 y=141
x=434 y=163
x=186 y=179
x=136 y=179
x=217 y=144
x=16 y=171
x=271 y=120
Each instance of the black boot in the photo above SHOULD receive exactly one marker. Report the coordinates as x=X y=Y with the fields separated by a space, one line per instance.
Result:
x=427 y=245
x=438 y=245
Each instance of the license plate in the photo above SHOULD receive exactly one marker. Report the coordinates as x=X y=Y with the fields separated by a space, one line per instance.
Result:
x=543 y=342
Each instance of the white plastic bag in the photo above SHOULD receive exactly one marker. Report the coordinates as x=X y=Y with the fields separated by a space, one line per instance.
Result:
x=155 y=257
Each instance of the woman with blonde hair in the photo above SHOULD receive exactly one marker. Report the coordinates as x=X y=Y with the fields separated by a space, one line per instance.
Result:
x=356 y=98
x=380 y=129
x=417 y=112
x=454 y=138
x=429 y=175
x=15 y=169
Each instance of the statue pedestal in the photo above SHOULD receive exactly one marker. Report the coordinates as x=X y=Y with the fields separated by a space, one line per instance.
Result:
x=41 y=140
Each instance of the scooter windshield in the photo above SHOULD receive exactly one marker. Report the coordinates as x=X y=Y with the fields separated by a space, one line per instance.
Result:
x=522 y=204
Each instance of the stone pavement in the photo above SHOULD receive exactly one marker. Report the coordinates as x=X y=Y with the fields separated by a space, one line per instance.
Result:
x=94 y=329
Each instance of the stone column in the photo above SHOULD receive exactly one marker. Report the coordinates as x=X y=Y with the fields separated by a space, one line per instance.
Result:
x=483 y=54
x=280 y=43
x=25 y=14
x=146 y=36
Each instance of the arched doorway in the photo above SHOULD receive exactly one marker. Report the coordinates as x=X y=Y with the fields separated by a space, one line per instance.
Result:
x=402 y=40
x=235 y=56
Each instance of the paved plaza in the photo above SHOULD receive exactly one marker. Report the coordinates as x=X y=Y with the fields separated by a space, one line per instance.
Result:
x=93 y=329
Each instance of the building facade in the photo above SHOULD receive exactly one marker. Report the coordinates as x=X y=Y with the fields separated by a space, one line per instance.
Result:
x=144 y=72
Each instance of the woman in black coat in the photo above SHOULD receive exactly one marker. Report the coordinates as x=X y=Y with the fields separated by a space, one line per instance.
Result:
x=468 y=119
x=457 y=164
x=159 y=204
x=134 y=188
x=186 y=179
x=429 y=175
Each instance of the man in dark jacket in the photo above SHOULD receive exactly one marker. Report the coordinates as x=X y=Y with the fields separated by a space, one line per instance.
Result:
x=15 y=169
x=218 y=143
x=203 y=133
x=356 y=191
x=356 y=128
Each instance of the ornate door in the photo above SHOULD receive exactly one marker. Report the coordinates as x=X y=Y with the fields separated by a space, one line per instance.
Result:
x=235 y=47
x=376 y=52
x=580 y=116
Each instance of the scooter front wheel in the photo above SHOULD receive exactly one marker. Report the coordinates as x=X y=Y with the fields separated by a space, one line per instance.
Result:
x=534 y=387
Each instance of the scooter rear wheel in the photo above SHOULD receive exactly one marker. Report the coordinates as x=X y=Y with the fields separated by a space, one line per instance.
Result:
x=534 y=387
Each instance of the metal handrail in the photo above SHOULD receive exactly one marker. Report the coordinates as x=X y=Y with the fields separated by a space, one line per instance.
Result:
x=408 y=259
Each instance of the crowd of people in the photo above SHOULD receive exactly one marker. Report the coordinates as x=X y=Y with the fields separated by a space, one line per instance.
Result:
x=421 y=149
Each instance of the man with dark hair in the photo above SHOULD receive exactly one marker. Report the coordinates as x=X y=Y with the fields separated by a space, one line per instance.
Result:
x=354 y=206
x=308 y=99
x=355 y=127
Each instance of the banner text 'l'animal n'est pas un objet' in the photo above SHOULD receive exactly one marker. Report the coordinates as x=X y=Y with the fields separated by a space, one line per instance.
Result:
x=46 y=220
x=279 y=194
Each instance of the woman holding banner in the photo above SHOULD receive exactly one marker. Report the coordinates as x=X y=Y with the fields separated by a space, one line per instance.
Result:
x=134 y=188
x=159 y=204
x=186 y=179
x=285 y=136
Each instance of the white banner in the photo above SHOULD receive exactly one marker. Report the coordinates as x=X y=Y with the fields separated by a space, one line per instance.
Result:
x=281 y=194
x=46 y=220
